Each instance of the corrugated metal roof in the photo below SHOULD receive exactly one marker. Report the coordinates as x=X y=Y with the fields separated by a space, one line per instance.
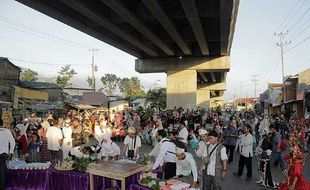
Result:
x=39 y=85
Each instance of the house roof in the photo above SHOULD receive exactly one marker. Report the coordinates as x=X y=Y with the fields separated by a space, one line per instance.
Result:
x=95 y=98
x=273 y=85
x=8 y=61
x=245 y=100
x=39 y=85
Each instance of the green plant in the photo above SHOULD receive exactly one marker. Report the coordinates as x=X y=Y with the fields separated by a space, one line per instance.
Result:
x=81 y=164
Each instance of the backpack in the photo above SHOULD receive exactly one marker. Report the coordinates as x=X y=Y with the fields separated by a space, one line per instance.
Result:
x=283 y=145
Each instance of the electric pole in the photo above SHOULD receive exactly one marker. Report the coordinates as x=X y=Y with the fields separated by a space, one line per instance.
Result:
x=255 y=79
x=281 y=44
x=93 y=67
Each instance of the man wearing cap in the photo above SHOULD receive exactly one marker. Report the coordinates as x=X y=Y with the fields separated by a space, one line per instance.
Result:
x=7 y=145
x=214 y=166
x=186 y=165
x=166 y=156
x=202 y=146
x=131 y=145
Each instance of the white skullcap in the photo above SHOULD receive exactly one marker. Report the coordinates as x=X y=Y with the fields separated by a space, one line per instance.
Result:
x=180 y=150
x=203 y=132
x=26 y=119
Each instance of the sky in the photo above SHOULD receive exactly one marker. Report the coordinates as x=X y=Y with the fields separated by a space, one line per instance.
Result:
x=33 y=40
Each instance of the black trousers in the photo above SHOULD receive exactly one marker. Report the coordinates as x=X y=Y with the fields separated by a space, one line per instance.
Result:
x=3 y=158
x=267 y=173
x=247 y=161
x=170 y=170
x=231 y=150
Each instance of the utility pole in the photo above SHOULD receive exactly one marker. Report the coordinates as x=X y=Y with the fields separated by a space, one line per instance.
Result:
x=281 y=44
x=255 y=79
x=93 y=67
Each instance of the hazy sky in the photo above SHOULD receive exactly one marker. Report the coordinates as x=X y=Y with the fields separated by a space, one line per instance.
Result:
x=33 y=40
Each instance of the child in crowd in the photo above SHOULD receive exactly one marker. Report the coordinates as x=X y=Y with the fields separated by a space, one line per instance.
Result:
x=34 y=148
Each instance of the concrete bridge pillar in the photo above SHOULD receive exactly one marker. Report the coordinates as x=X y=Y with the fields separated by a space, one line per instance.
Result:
x=190 y=80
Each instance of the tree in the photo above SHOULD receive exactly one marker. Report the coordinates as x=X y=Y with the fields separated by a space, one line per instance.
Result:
x=110 y=81
x=65 y=75
x=131 y=88
x=157 y=97
x=89 y=81
x=29 y=75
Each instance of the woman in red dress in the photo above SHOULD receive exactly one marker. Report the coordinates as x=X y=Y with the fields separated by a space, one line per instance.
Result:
x=295 y=179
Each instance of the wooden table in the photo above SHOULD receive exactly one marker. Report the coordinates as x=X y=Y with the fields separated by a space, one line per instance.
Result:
x=115 y=170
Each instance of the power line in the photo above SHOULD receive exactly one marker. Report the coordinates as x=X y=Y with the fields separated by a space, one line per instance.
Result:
x=296 y=12
x=300 y=30
x=40 y=32
x=304 y=40
x=45 y=63
x=39 y=45
x=37 y=35
x=300 y=18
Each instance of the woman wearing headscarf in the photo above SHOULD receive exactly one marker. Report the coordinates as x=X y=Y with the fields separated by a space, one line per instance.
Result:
x=67 y=141
x=22 y=141
x=108 y=148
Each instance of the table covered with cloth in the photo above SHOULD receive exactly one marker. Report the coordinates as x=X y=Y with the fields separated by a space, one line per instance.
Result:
x=52 y=179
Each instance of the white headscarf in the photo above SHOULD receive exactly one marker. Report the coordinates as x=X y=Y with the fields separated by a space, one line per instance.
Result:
x=22 y=129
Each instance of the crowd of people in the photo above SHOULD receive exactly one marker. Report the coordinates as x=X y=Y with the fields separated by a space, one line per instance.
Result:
x=178 y=136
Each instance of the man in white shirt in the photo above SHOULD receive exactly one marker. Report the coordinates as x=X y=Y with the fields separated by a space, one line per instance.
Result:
x=214 y=166
x=166 y=156
x=183 y=133
x=131 y=145
x=7 y=145
x=246 y=153
x=186 y=165
x=54 y=140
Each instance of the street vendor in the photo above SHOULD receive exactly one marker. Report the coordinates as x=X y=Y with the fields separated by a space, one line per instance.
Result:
x=186 y=165
x=131 y=145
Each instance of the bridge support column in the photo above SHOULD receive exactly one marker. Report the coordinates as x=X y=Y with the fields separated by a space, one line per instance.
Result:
x=181 y=88
x=203 y=98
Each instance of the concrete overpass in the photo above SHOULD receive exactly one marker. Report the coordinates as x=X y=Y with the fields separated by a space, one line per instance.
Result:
x=190 y=40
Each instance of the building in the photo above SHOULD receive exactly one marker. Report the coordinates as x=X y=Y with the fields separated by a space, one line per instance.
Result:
x=53 y=90
x=296 y=101
x=118 y=105
x=97 y=99
x=244 y=104
x=9 y=77
x=297 y=88
x=140 y=102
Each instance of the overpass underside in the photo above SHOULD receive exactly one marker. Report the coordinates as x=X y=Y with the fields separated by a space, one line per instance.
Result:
x=190 y=40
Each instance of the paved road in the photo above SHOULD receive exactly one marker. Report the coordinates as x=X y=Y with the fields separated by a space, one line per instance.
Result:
x=239 y=183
